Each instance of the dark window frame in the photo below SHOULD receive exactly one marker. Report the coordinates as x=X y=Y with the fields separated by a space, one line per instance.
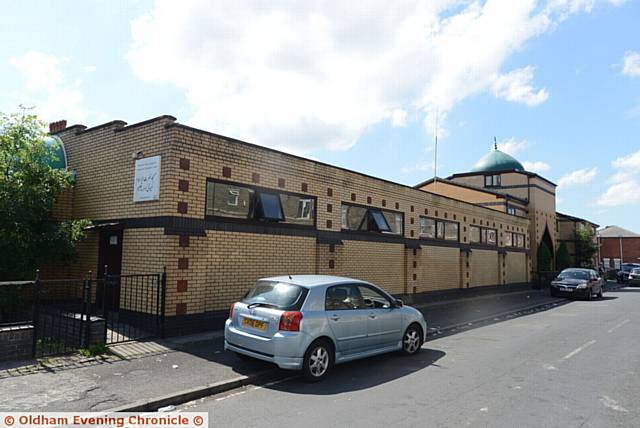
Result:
x=372 y=208
x=483 y=234
x=439 y=221
x=495 y=180
x=251 y=219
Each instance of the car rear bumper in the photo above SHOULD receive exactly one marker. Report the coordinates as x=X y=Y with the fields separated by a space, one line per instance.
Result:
x=285 y=349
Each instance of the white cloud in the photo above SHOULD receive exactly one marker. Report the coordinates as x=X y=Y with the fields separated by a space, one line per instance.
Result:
x=624 y=186
x=307 y=75
x=631 y=64
x=516 y=86
x=398 y=118
x=47 y=88
x=537 y=166
x=512 y=146
x=580 y=176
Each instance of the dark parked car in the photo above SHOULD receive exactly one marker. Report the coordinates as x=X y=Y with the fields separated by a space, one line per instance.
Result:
x=634 y=276
x=578 y=282
x=623 y=274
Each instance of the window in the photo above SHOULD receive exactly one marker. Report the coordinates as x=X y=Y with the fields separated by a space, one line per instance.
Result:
x=373 y=299
x=227 y=200
x=474 y=234
x=343 y=298
x=277 y=294
x=508 y=239
x=363 y=219
x=244 y=202
x=519 y=240
x=511 y=210
x=483 y=235
x=492 y=180
x=427 y=227
x=298 y=210
x=269 y=207
x=438 y=229
x=450 y=231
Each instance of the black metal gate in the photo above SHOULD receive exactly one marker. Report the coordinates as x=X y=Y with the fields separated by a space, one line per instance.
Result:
x=132 y=306
x=73 y=313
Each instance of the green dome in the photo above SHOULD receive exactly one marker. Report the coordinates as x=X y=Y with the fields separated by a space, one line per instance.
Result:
x=59 y=155
x=496 y=160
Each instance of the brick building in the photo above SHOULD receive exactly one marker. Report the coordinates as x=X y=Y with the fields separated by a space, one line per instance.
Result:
x=220 y=213
x=618 y=245
x=568 y=227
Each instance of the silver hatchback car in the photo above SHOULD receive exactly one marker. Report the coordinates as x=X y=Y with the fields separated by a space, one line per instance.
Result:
x=311 y=322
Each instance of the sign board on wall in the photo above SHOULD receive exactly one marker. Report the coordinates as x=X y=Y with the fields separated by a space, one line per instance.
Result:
x=146 y=183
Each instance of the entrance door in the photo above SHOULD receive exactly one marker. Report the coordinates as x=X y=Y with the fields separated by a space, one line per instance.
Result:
x=110 y=254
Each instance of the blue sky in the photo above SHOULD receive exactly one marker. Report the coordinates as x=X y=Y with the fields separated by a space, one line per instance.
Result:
x=358 y=85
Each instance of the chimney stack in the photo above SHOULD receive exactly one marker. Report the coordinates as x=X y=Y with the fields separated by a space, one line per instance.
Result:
x=55 y=127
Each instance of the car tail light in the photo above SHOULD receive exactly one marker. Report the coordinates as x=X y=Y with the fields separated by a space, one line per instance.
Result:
x=231 y=311
x=290 y=321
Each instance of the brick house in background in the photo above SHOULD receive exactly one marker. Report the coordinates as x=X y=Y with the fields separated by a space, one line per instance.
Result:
x=220 y=213
x=568 y=228
x=618 y=245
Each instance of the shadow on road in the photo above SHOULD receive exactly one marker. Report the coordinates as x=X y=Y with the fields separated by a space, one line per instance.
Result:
x=364 y=374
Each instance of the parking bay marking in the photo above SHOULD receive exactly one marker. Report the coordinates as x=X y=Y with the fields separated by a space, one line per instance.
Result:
x=255 y=388
x=617 y=326
x=577 y=350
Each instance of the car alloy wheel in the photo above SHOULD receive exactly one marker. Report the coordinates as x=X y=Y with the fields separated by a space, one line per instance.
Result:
x=317 y=361
x=412 y=340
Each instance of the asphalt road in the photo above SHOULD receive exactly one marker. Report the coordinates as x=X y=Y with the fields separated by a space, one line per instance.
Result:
x=576 y=365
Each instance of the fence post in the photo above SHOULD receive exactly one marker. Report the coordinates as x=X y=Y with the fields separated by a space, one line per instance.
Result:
x=36 y=313
x=86 y=312
x=162 y=300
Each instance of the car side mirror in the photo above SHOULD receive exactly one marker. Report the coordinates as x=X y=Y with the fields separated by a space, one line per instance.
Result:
x=398 y=303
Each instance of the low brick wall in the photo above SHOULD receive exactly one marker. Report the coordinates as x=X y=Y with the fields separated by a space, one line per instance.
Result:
x=16 y=342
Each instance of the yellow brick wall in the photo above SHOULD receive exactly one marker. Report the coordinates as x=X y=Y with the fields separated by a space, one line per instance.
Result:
x=516 y=264
x=484 y=268
x=439 y=268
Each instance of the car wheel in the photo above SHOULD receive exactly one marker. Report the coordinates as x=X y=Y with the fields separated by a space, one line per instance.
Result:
x=412 y=340
x=318 y=360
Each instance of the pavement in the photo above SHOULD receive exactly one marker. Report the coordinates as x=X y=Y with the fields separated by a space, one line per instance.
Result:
x=150 y=375
x=575 y=365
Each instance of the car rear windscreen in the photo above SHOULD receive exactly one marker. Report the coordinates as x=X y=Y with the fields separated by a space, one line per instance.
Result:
x=276 y=294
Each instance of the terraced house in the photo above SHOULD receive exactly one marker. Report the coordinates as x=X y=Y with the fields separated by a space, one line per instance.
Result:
x=220 y=213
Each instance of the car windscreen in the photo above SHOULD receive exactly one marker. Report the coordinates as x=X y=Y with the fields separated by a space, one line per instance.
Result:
x=276 y=294
x=628 y=268
x=573 y=274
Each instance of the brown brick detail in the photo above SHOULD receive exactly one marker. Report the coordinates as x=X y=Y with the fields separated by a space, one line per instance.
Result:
x=183 y=241
x=183 y=263
x=411 y=232
x=255 y=177
x=329 y=208
x=332 y=248
x=415 y=264
x=384 y=202
x=426 y=211
x=304 y=187
x=353 y=196
x=185 y=164
x=397 y=206
x=181 y=308
x=182 y=285
x=329 y=224
x=281 y=182
x=329 y=191
x=332 y=264
x=226 y=172
x=183 y=207
x=415 y=277
x=368 y=199
x=183 y=185
x=411 y=220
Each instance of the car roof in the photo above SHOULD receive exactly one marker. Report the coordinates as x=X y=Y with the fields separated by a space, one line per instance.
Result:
x=313 y=280
x=577 y=269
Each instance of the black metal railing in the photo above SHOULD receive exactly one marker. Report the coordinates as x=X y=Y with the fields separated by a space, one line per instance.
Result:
x=72 y=313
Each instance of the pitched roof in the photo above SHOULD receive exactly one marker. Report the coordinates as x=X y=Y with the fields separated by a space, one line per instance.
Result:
x=566 y=217
x=616 y=232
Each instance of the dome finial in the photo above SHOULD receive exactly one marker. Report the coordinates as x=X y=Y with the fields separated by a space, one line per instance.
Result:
x=495 y=143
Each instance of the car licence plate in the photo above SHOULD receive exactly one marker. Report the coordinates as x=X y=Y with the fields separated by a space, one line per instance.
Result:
x=257 y=324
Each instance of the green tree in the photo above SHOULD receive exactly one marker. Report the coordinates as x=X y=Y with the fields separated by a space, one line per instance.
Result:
x=586 y=247
x=29 y=238
x=544 y=258
x=563 y=259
